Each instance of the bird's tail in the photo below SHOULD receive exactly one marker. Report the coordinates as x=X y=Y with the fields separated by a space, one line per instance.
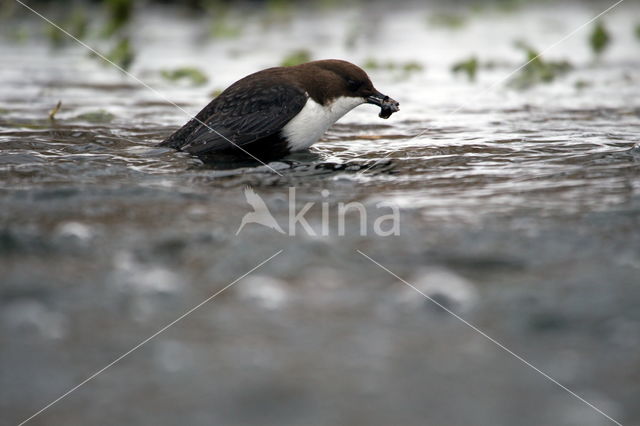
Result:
x=181 y=137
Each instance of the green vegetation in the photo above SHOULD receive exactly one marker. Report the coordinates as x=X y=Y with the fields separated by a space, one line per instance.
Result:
x=279 y=9
x=537 y=70
x=328 y=4
x=277 y=12
x=193 y=75
x=98 y=116
x=405 y=68
x=637 y=31
x=447 y=20
x=120 y=13
x=76 y=25
x=581 y=84
x=221 y=27
x=215 y=93
x=56 y=37
x=54 y=111
x=279 y=6
x=412 y=66
x=599 y=39
x=296 y=57
x=468 y=67
x=510 y=5
x=121 y=54
x=19 y=34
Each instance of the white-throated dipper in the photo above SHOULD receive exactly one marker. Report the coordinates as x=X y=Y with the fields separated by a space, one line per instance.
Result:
x=276 y=111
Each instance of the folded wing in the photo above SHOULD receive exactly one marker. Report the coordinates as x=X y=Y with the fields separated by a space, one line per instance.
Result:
x=241 y=115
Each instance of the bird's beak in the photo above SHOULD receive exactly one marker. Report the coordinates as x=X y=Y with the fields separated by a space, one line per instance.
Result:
x=387 y=105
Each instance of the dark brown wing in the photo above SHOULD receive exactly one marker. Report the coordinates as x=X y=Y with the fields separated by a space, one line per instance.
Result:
x=242 y=114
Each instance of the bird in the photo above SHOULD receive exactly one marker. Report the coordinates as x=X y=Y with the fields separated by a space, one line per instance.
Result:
x=260 y=214
x=274 y=112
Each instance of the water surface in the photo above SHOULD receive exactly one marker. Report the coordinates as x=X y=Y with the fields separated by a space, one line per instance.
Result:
x=519 y=210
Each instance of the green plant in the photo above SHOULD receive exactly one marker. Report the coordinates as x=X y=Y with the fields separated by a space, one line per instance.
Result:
x=447 y=20
x=599 y=38
x=221 y=27
x=122 y=54
x=296 y=57
x=54 y=111
x=537 y=70
x=191 y=74
x=98 y=116
x=412 y=66
x=468 y=67
x=76 y=25
x=402 y=70
x=119 y=14
x=215 y=93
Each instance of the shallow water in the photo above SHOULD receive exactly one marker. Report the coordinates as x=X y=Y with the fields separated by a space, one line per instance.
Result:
x=519 y=211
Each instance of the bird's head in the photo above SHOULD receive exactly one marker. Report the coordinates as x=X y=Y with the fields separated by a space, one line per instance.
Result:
x=336 y=78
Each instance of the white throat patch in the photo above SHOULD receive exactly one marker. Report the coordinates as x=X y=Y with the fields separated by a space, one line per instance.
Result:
x=314 y=119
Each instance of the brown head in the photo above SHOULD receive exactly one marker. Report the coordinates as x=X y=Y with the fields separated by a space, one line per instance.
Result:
x=329 y=79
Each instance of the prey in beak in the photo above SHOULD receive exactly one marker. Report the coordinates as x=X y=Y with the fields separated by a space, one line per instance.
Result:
x=387 y=105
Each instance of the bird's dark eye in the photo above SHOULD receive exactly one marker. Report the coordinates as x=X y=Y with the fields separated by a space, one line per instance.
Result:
x=353 y=85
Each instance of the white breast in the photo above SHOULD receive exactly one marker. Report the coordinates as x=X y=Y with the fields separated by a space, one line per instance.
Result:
x=314 y=119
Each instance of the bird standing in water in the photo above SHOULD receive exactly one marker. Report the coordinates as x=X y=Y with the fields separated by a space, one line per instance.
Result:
x=276 y=111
